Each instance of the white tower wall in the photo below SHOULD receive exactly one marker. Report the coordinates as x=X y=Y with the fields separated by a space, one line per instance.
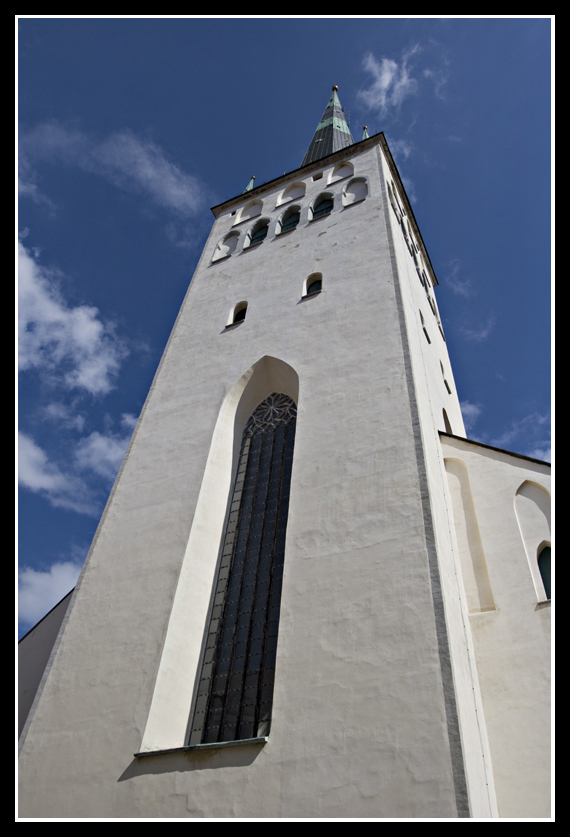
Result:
x=377 y=708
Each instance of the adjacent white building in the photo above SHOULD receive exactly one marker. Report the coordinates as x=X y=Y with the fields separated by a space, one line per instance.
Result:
x=309 y=594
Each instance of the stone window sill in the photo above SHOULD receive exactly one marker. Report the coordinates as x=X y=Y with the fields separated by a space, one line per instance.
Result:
x=215 y=746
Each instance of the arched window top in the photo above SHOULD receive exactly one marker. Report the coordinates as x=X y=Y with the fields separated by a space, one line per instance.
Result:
x=276 y=409
x=250 y=210
x=226 y=246
x=341 y=171
x=313 y=284
x=323 y=205
x=291 y=193
x=532 y=509
x=237 y=314
x=258 y=233
x=290 y=219
x=355 y=191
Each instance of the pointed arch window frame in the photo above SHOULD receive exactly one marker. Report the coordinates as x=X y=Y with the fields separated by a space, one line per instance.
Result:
x=235 y=691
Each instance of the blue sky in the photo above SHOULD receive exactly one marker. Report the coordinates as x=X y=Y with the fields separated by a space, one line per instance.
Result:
x=130 y=129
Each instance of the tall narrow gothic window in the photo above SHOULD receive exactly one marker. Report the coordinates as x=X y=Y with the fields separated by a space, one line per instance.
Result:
x=235 y=694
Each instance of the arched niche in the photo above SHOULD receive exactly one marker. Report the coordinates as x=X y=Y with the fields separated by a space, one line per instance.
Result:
x=250 y=210
x=226 y=246
x=168 y=719
x=532 y=509
x=292 y=193
x=355 y=191
x=471 y=555
x=341 y=171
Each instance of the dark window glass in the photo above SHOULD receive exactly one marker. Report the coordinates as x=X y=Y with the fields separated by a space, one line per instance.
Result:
x=323 y=208
x=236 y=680
x=314 y=287
x=290 y=222
x=258 y=236
x=240 y=315
x=544 y=567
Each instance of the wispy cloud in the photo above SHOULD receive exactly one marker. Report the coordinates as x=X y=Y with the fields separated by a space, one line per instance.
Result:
x=41 y=476
x=478 y=335
x=392 y=82
x=456 y=280
x=438 y=77
x=71 y=486
x=410 y=188
x=544 y=453
x=102 y=454
x=529 y=435
x=127 y=161
x=470 y=413
x=64 y=416
x=28 y=187
x=40 y=590
x=401 y=149
x=128 y=421
x=395 y=80
x=70 y=346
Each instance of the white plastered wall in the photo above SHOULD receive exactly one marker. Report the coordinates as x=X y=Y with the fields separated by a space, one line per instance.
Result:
x=432 y=397
x=511 y=641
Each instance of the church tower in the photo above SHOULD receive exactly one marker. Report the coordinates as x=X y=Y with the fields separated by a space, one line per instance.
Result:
x=276 y=616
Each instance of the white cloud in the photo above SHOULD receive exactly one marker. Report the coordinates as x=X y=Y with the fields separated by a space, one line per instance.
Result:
x=479 y=334
x=543 y=453
x=39 y=591
x=470 y=413
x=128 y=421
x=529 y=435
x=102 y=454
x=410 y=188
x=39 y=475
x=129 y=162
x=70 y=344
x=438 y=77
x=401 y=149
x=455 y=279
x=97 y=453
x=65 y=417
x=392 y=82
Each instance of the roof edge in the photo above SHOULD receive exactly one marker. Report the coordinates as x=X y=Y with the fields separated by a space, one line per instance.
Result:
x=363 y=145
x=499 y=450
x=375 y=139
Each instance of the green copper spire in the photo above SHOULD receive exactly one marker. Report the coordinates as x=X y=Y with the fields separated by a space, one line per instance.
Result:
x=249 y=186
x=332 y=132
x=365 y=132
